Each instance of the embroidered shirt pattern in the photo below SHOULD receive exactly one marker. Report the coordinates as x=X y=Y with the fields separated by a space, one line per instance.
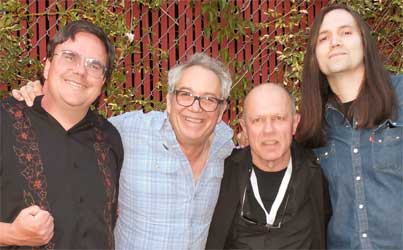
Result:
x=102 y=149
x=28 y=155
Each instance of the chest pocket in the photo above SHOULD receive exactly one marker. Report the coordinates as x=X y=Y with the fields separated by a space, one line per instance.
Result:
x=326 y=157
x=387 y=148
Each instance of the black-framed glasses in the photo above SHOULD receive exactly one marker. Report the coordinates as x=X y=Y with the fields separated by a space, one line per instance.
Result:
x=206 y=103
x=71 y=59
x=245 y=211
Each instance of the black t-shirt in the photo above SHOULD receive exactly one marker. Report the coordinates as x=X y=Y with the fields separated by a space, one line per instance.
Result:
x=268 y=184
x=73 y=174
x=345 y=109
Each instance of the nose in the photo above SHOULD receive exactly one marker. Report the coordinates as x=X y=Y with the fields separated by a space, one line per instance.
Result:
x=80 y=67
x=196 y=107
x=334 y=41
x=268 y=126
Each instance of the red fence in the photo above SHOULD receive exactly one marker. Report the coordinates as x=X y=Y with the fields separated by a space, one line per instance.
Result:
x=177 y=28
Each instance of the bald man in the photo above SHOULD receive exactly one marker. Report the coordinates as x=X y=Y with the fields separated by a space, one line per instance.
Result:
x=272 y=194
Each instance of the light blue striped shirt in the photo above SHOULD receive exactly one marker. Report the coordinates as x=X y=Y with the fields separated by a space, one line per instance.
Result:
x=160 y=205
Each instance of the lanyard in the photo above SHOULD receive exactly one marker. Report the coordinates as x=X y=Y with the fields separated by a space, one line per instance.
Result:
x=270 y=217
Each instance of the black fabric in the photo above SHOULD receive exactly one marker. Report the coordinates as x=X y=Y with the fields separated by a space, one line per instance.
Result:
x=268 y=184
x=73 y=174
x=345 y=109
x=303 y=222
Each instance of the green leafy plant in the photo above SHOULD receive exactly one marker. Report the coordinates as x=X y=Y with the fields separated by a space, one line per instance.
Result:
x=282 y=32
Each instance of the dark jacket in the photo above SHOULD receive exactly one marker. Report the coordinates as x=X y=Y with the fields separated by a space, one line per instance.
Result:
x=307 y=185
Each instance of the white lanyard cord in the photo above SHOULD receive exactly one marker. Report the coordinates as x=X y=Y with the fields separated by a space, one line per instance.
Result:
x=270 y=217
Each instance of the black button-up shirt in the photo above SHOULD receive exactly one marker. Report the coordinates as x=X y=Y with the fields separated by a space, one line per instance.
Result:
x=73 y=174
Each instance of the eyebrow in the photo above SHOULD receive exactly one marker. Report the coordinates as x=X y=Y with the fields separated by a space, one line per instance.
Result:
x=341 y=27
x=76 y=53
x=191 y=90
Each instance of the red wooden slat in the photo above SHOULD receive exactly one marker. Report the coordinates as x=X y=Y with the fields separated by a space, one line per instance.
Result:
x=287 y=9
x=189 y=29
x=248 y=47
x=311 y=16
x=137 y=55
x=206 y=40
x=164 y=41
x=264 y=56
x=145 y=53
x=182 y=28
x=272 y=57
x=255 y=46
x=198 y=27
x=155 y=56
x=128 y=59
x=279 y=31
x=52 y=18
x=304 y=21
x=24 y=25
x=69 y=4
x=42 y=29
x=32 y=26
x=172 y=38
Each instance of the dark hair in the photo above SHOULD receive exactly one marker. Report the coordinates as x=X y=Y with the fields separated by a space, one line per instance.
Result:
x=376 y=100
x=71 y=29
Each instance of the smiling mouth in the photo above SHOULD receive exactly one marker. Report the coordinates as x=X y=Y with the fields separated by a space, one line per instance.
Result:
x=75 y=85
x=193 y=120
x=336 y=55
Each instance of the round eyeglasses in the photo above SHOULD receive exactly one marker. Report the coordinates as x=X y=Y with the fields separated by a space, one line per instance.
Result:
x=71 y=59
x=206 y=103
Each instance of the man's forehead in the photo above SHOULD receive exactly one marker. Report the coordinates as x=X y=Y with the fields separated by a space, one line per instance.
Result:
x=280 y=105
x=199 y=80
x=85 y=44
x=338 y=18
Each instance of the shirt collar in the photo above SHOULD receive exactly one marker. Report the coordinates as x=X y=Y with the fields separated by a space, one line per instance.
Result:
x=90 y=119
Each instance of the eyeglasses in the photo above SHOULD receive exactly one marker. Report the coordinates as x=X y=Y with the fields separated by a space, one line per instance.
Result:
x=71 y=59
x=206 y=103
x=245 y=210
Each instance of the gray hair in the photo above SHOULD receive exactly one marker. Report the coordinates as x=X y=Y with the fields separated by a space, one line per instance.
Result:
x=209 y=63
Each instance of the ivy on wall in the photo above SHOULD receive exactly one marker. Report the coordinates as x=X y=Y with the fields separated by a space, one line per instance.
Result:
x=226 y=24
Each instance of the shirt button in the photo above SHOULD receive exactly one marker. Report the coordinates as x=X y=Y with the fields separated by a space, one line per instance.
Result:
x=355 y=150
x=361 y=206
x=358 y=178
x=81 y=199
x=364 y=235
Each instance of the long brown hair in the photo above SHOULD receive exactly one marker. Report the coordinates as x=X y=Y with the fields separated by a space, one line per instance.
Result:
x=376 y=100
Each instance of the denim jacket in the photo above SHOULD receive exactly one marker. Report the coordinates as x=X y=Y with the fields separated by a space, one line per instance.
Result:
x=365 y=175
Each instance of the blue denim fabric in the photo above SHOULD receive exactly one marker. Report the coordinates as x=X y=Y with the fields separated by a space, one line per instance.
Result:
x=160 y=204
x=364 y=170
